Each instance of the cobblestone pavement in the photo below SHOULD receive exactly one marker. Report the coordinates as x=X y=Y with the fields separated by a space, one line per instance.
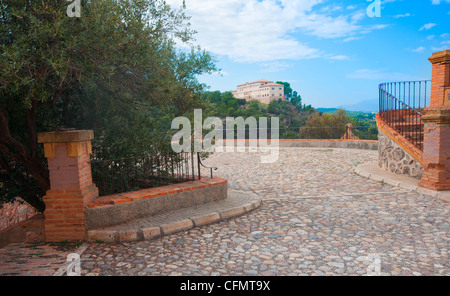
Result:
x=317 y=218
x=32 y=259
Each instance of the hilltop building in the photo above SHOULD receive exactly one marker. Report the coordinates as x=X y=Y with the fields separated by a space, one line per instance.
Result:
x=263 y=91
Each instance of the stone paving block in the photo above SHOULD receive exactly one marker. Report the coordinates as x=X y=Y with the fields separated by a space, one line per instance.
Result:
x=362 y=173
x=445 y=196
x=151 y=233
x=391 y=182
x=234 y=212
x=409 y=186
x=206 y=219
x=427 y=192
x=103 y=235
x=249 y=207
x=128 y=235
x=256 y=203
x=377 y=178
x=177 y=226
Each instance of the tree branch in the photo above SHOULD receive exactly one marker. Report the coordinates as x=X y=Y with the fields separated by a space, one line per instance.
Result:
x=31 y=124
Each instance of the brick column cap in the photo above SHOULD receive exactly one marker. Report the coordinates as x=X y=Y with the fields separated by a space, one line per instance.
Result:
x=66 y=136
x=437 y=115
x=441 y=56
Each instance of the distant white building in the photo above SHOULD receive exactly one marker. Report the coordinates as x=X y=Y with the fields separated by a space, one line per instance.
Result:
x=264 y=91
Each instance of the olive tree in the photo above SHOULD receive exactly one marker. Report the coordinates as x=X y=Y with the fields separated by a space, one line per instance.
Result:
x=117 y=69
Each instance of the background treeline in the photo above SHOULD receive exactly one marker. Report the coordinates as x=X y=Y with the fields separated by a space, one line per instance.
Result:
x=297 y=121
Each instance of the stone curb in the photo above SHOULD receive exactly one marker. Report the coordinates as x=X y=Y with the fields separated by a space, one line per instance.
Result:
x=178 y=226
x=116 y=236
x=372 y=171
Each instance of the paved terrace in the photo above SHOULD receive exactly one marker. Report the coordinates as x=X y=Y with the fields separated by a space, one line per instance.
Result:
x=318 y=217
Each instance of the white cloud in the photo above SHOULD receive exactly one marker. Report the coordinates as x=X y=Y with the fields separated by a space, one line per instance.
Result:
x=419 y=49
x=441 y=48
x=275 y=67
x=402 y=15
x=437 y=2
x=382 y=75
x=428 y=26
x=444 y=45
x=265 y=31
x=351 y=39
x=339 y=58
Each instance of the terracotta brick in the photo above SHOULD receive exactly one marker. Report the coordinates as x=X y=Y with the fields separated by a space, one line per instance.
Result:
x=71 y=187
x=436 y=136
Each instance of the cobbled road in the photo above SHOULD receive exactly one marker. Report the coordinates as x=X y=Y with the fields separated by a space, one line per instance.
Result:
x=318 y=217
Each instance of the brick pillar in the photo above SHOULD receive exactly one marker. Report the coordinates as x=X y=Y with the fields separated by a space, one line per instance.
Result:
x=349 y=133
x=440 y=81
x=71 y=186
x=436 y=155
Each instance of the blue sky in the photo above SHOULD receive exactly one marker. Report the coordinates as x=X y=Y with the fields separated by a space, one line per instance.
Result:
x=330 y=51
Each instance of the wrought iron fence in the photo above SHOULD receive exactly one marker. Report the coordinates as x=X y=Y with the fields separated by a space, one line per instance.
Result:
x=135 y=173
x=415 y=94
x=401 y=107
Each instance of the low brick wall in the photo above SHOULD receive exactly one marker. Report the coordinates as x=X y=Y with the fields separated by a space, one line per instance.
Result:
x=121 y=208
x=28 y=231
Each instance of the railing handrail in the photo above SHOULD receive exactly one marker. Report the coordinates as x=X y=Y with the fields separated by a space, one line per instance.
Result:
x=199 y=159
x=400 y=108
x=403 y=103
x=415 y=94
x=416 y=81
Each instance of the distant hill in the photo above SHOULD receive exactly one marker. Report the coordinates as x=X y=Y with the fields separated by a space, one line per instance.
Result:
x=369 y=106
x=327 y=110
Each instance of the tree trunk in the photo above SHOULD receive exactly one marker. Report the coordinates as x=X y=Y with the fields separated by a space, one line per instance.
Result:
x=16 y=150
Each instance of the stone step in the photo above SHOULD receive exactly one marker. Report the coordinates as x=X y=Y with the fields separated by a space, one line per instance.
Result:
x=237 y=203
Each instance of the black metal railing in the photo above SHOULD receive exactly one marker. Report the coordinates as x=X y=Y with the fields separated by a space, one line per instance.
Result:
x=200 y=164
x=401 y=108
x=415 y=94
x=150 y=171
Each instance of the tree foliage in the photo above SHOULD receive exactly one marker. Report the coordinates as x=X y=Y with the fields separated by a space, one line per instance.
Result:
x=115 y=70
x=332 y=126
x=325 y=126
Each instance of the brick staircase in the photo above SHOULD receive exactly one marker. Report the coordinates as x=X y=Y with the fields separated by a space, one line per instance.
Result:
x=401 y=109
